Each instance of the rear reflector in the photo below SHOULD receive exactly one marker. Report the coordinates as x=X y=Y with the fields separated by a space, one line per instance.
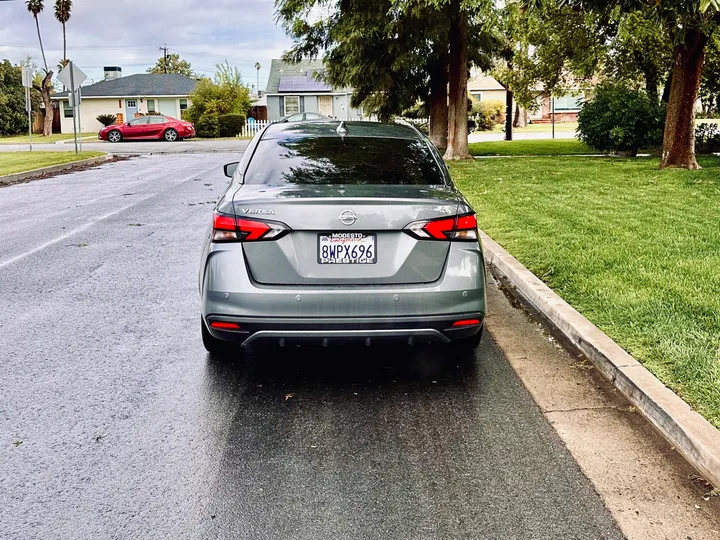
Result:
x=225 y=325
x=231 y=229
x=467 y=322
x=454 y=228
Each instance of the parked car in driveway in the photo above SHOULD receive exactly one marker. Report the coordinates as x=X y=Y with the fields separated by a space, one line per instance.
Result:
x=337 y=231
x=149 y=127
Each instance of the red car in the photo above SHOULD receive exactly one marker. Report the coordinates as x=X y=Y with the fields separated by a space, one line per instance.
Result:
x=152 y=126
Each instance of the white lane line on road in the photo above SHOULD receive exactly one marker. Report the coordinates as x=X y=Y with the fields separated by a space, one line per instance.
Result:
x=98 y=219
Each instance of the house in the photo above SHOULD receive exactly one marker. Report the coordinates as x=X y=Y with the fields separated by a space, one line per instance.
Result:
x=486 y=88
x=566 y=107
x=294 y=88
x=128 y=97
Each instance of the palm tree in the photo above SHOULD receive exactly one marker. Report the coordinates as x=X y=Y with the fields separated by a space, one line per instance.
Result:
x=62 y=14
x=35 y=7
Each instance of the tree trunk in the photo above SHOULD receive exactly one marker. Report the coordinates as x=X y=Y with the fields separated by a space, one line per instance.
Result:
x=64 y=44
x=520 y=120
x=508 y=115
x=457 y=147
x=679 y=136
x=46 y=88
x=42 y=50
x=439 y=104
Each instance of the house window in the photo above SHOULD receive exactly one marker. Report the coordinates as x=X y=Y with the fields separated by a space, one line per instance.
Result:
x=131 y=103
x=183 y=104
x=476 y=95
x=151 y=105
x=568 y=103
x=67 y=110
x=292 y=105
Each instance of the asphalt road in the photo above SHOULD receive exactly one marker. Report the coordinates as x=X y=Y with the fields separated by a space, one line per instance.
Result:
x=140 y=147
x=114 y=423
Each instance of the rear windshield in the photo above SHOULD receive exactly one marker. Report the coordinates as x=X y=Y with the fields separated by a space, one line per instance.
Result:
x=349 y=160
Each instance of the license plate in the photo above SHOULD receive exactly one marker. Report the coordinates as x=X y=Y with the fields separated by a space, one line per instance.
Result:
x=346 y=248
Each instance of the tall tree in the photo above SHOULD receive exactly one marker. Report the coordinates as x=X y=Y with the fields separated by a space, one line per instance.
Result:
x=172 y=63
x=552 y=47
x=62 y=14
x=45 y=88
x=391 y=52
x=689 y=25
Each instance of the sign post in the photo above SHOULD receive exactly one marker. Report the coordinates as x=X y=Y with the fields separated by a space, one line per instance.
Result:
x=27 y=83
x=72 y=77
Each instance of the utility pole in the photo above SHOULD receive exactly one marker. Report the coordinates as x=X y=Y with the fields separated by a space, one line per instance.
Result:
x=257 y=69
x=164 y=49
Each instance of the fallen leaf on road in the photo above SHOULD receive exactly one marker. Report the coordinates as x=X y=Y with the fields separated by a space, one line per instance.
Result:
x=288 y=396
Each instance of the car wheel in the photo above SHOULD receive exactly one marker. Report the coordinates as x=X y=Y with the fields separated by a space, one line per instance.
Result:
x=171 y=135
x=464 y=349
x=114 y=136
x=217 y=347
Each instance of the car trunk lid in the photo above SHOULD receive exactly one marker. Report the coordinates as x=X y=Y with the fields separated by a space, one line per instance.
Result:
x=377 y=212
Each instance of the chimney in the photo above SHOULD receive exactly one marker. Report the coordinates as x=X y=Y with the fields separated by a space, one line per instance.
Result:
x=112 y=72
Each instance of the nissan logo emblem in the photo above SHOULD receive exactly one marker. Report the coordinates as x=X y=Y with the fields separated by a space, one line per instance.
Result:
x=347 y=217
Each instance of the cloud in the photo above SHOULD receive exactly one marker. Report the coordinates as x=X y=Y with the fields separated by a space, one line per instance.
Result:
x=128 y=33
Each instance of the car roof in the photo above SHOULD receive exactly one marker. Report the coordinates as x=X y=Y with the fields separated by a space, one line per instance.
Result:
x=330 y=129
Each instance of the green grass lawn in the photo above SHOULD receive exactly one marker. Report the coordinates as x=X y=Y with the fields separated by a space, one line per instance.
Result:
x=634 y=249
x=541 y=128
x=534 y=147
x=15 y=162
x=39 y=139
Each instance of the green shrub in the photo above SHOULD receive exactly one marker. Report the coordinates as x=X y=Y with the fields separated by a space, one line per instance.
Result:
x=230 y=125
x=106 y=119
x=621 y=119
x=707 y=138
x=208 y=126
x=486 y=114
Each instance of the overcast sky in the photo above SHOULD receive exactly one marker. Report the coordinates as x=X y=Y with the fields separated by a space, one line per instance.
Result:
x=127 y=33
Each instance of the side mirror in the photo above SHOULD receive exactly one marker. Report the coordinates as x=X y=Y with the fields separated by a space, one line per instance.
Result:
x=230 y=168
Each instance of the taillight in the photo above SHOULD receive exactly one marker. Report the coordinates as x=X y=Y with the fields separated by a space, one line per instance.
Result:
x=234 y=229
x=452 y=228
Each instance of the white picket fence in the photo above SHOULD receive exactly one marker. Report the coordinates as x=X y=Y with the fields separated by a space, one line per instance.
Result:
x=252 y=128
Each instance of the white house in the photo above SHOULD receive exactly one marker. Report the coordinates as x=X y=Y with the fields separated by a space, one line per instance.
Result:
x=128 y=97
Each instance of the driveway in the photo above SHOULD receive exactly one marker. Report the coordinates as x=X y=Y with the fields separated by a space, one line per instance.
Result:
x=116 y=424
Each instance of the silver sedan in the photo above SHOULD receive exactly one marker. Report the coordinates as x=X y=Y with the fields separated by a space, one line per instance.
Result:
x=332 y=232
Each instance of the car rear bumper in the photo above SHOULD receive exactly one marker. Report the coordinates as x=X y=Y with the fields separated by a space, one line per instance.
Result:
x=322 y=314
x=329 y=331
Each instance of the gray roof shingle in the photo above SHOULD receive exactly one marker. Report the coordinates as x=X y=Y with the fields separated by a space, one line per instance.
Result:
x=142 y=84
x=304 y=69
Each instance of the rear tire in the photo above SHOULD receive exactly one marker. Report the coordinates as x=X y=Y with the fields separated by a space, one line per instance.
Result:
x=171 y=135
x=463 y=350
x=114 y=136
x=217 y=347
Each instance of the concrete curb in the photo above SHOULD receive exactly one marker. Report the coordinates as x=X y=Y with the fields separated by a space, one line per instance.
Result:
x=19 y=177
x=72 y=141
x=697 y=440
